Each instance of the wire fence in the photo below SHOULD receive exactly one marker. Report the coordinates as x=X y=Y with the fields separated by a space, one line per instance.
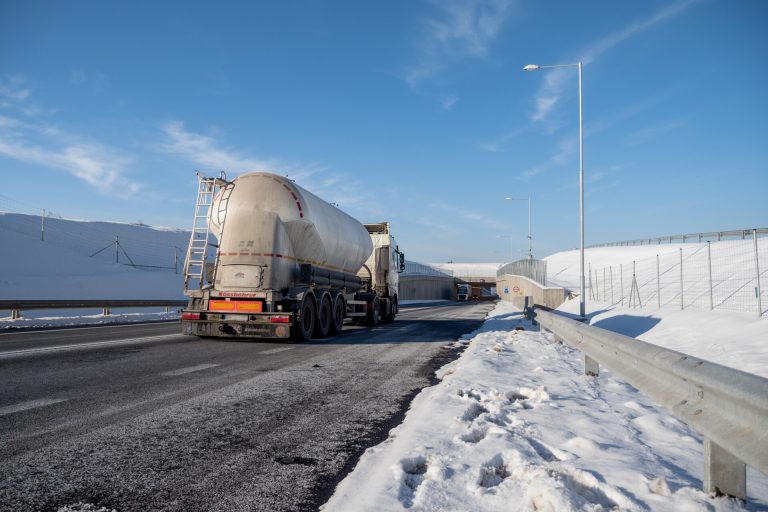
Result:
x=727 y=275
x=530 y=268
x=136 y=245
x=742 y=234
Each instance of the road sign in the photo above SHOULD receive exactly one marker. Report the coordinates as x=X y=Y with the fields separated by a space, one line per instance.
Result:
x=516 y=289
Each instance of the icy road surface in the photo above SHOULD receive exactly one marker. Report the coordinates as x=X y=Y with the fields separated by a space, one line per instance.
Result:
x=141 y=418
x=515 y=425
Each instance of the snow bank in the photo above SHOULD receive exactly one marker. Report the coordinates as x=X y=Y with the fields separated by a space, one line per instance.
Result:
x=514 y=425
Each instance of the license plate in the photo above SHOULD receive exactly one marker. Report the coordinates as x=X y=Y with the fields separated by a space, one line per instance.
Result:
x=241 y=318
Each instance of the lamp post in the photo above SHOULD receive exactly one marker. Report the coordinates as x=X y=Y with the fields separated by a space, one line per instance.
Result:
x=511 y=246
x=530 y=238
x=535 y=67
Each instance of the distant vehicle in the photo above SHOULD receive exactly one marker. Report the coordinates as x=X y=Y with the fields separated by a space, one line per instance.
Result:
x=464 y=291
x=287 y=263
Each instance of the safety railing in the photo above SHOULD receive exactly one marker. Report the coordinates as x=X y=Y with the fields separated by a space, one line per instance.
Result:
x=17 y=306
x=691 y=237
x=728 y=407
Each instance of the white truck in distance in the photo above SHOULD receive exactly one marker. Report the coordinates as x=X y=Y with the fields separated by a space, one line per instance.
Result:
x=286 y=263
x=463 y=291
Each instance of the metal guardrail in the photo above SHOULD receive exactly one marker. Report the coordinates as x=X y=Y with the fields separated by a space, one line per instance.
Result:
x=699 y=237
x=728 y=407
x=17 y=306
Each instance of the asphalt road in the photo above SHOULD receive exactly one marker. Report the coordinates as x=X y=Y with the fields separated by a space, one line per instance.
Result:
x=143 y=418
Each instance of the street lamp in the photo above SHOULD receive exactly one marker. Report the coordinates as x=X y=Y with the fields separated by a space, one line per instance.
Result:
x=511 y=246
x=535 y=67
x=530 y=238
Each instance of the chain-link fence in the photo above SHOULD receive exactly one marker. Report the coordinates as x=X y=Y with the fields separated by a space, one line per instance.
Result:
x=532 y=269
x=729 y=275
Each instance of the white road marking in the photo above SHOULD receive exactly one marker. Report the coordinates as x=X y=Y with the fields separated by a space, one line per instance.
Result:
x=32 y=404
x=189 y=369
x=74 y=328
x=76 y=346
x=276 y=350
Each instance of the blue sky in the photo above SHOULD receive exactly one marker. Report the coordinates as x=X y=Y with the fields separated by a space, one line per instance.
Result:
x=413 y=112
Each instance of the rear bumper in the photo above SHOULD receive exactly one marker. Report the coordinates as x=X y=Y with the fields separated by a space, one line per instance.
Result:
x=230 y=328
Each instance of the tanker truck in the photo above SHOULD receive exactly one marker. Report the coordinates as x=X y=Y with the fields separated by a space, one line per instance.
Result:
x=269 y=259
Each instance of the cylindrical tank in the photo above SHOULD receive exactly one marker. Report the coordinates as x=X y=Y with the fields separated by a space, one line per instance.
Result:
x=267 y=225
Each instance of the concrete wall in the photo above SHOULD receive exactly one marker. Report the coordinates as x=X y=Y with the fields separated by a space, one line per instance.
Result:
x=427 y=288
x=512 y=288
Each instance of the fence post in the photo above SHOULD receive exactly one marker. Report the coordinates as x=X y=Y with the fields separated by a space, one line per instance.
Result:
x=604 y=283
x=682 y=304
x=611 y=269
x=709 y=275
x=42 y=226
x=15 y=314
x=621 y=281
x=175 y=260
x=658 y=283
x=758 y=290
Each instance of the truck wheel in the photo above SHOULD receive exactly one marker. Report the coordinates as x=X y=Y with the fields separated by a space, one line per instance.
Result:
x=374 y=312
x=390 y=317
x=324 y=317
x=303 y=329
x=339 y=312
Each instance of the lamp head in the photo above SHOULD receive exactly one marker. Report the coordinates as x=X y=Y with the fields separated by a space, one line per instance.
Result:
x=531 y=67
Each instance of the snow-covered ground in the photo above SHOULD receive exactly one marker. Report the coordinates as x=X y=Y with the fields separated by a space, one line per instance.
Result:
x=61 y=267
x=725 y=335
x=515 y=425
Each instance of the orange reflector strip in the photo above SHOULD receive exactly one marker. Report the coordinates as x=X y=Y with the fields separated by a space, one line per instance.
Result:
x=234 y=305
x=248 y=306
x=222 y=305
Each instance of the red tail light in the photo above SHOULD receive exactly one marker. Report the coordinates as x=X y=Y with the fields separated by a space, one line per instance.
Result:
x=190 y=316
x=280 y=319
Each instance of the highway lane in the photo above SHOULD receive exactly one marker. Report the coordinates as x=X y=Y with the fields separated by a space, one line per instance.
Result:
x=144 y=418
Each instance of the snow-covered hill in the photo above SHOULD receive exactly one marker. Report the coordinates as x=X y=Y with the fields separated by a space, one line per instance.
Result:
x=63 y=266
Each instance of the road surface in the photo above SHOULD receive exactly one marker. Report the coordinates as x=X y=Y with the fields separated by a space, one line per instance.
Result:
x=140 y=417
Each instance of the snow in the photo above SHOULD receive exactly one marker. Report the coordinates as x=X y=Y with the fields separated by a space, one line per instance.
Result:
x=515 y=425
x=469 y=269
x=61 y=267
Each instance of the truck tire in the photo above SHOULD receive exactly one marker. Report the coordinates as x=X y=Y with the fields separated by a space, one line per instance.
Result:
x=339 y=313
x=324 y=317
x=374 y=312
x=304 y=328
x=390 y=316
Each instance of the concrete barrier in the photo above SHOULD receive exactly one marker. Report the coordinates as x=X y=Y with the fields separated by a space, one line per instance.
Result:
x=427 y=288
x=516 y=288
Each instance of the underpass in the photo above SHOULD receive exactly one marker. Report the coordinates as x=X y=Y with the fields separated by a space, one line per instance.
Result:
x=141 y=417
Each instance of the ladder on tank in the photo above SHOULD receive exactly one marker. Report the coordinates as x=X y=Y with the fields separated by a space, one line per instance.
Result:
x=197 y=252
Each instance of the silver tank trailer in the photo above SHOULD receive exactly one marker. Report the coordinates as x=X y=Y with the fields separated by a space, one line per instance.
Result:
x=271 y=226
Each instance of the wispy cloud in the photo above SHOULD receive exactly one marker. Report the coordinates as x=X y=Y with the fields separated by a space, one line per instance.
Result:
x=555 y=80
x=460 y=28
x=32 y=142
x=449 y=101
x=209 y=153
x=652 y=132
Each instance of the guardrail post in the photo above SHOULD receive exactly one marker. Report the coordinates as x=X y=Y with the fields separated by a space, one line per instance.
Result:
x=105 y=311
x=15 y=314
x=723 y=473
x=591 y=367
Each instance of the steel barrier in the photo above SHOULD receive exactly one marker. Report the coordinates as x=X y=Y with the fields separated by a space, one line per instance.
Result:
x=17 y=306
x=728 y=407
